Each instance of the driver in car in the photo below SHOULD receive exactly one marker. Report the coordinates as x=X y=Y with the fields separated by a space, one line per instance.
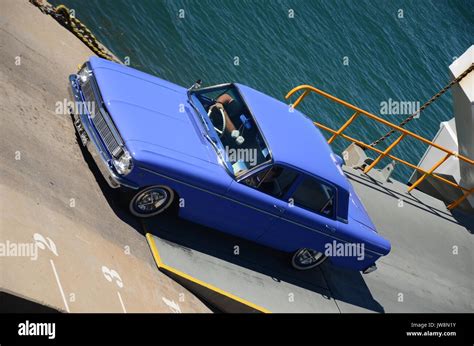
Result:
x=232 y=109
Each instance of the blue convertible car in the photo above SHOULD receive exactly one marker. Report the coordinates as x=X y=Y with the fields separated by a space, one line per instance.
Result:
x=227 y=157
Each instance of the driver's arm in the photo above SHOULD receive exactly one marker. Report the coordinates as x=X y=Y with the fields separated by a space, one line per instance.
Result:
x=224 y=99
x=229 y=125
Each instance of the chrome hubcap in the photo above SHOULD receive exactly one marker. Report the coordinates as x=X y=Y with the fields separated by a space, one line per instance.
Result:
x=151 y=200
x=307 y=257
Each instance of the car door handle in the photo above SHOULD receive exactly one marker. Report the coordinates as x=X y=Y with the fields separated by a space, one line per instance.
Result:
x=280 y=209
x=331 y=228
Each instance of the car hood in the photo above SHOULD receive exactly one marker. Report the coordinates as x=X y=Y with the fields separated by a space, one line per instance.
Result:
x=148 y=109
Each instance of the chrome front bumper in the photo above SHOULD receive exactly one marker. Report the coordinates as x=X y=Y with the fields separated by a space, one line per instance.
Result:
x=91 y=141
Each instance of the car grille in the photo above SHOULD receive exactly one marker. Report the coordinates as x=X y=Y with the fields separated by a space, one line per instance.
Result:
x=101 y=118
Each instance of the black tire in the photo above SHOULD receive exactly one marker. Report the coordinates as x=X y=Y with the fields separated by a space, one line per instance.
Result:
x=301 y=259
x=149 y=201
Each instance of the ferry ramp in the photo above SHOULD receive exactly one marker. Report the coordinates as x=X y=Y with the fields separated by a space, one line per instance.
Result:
x=430 y=267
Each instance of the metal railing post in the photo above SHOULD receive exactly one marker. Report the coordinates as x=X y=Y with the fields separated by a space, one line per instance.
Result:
x=301 y=98
x=381 y=156
x=343 y=127
x=460 y=199
x=436 y=165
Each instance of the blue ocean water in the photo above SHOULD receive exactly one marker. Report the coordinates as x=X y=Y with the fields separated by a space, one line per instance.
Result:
x=365 y=52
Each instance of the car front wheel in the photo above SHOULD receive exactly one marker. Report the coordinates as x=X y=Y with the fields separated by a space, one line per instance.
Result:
x=305 y=259
x=151 y=201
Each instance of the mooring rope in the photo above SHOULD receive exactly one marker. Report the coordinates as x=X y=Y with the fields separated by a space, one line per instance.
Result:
x=63 y=16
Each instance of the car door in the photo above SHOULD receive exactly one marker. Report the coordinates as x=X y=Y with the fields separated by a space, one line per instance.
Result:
x=309 y=220
x=256 y=201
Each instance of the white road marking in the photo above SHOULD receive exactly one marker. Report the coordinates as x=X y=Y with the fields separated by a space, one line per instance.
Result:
x=121 y=302
x=174 y=307
x=59 y=285
x=111 y=274
x=45 y=242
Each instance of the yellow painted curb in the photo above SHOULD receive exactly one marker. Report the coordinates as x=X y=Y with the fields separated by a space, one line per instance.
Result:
x=166 y=267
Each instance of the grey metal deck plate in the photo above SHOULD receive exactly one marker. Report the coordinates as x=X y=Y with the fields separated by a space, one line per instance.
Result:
x=421 y=274
x=257 y=274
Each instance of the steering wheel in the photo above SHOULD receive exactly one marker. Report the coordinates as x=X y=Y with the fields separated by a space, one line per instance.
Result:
x=219 y=131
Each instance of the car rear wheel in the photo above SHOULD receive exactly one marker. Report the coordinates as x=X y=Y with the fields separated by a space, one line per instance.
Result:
x=151 y=201
x=305 y=259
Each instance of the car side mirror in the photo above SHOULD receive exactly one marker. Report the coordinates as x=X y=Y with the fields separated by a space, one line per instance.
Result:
x=196 y=85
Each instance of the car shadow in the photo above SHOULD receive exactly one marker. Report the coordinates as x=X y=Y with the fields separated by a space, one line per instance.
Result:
x=456 y=217
x=330 y=282
x=464 y=219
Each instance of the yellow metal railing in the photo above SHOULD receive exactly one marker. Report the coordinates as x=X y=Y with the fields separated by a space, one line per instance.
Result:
x=385 y=153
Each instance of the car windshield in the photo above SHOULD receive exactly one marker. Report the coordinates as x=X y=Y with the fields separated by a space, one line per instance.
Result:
x=232 y=128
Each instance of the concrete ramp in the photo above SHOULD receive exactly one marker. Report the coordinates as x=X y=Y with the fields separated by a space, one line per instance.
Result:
x=422 y=273
x=257 y=279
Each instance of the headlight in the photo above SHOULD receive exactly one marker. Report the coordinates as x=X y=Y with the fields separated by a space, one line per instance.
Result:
x=123 y=164
x=84 y=74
